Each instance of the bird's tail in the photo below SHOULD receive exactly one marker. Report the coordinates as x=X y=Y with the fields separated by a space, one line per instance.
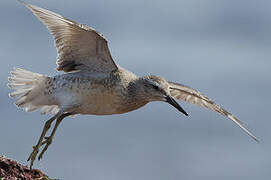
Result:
x=28 y=90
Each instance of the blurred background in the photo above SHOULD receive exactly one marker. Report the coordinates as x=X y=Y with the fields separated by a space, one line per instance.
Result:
x=221 y=48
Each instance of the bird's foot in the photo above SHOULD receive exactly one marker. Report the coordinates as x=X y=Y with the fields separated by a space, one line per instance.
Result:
x=47 y=142
x=33 y=155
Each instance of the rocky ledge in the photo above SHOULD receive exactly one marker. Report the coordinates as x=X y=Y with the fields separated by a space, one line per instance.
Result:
x=12 y=170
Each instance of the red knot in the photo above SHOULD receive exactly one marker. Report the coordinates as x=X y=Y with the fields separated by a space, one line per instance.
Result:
x=92 y=83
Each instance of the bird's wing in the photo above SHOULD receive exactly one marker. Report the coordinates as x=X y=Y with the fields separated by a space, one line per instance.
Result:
x=192 y=96
x=79 y=47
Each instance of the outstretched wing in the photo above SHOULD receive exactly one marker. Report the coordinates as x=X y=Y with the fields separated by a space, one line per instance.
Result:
x=79 y=47
x=192 y=96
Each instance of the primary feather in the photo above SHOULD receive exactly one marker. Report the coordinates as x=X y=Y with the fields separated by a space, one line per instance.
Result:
x=193 y=96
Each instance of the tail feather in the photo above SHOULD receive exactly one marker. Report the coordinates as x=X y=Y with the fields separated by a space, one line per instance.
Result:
x=27 y=88
x=53 y=109
x=20 y=92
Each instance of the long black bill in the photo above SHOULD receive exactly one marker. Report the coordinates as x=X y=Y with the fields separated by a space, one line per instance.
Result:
x=172 y=101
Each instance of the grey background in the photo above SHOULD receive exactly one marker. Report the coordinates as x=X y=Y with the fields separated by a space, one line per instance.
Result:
x=221 y=48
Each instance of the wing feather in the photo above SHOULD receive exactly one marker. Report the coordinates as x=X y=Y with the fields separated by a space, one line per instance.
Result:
x=193 y=96
x=79 y=47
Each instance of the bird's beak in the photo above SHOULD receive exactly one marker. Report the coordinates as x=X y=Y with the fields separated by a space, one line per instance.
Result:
x=172 y=101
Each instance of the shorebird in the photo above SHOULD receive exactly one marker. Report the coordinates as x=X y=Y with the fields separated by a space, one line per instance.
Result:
x=92 y=83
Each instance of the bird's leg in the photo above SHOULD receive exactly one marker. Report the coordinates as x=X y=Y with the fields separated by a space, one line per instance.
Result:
x=46 y=127
x=48 y=140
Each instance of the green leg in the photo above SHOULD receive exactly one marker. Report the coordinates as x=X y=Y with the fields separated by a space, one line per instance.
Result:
x=46 y=127
x=48 y=140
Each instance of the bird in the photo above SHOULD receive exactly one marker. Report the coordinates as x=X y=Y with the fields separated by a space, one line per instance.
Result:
x=92 y=83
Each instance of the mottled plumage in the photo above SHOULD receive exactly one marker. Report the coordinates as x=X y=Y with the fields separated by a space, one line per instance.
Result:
x=94 y=84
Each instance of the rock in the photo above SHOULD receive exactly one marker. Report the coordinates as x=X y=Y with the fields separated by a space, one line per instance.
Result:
x=12 y=170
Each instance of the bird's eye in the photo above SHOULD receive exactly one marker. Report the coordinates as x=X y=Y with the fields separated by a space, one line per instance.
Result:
x=155 y=87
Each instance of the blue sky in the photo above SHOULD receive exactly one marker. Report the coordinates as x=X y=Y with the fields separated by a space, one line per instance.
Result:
x=221 y=48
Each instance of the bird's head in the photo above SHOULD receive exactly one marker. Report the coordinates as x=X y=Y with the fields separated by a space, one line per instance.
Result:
x=154 y=88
